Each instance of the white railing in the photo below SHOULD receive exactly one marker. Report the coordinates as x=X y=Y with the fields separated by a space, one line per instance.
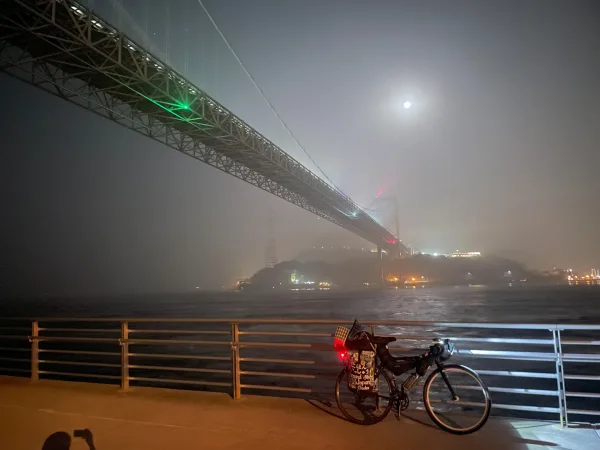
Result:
x=538 y=370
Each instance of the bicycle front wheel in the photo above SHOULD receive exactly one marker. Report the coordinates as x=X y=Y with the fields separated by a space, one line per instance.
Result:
x=364 y=408
x=456 y=399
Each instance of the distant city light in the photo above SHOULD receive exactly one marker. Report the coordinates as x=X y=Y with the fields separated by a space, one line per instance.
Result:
x=458 y=254
x=407 y=104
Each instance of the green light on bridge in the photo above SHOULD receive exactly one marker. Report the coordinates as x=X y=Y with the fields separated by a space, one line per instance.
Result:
x=173 y=109
x=183 y=106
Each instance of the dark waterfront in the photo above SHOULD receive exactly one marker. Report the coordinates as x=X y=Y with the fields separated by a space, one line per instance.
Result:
x=518 y=304
x=551 y=304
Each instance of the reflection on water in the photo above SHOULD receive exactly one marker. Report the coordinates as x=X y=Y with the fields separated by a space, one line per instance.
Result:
x=562 y=304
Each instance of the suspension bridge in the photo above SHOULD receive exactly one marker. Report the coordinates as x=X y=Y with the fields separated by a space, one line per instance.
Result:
x=63 y=48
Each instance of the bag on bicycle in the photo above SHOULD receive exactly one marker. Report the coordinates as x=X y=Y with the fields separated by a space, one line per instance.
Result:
x=361 y=371
x=397 y=366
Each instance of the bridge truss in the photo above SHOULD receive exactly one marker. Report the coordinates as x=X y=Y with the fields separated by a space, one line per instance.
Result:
x=62 y=48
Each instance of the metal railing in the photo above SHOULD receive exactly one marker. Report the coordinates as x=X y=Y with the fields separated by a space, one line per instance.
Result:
x=526 y=366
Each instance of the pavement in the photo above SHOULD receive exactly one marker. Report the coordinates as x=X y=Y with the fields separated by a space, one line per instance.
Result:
x=150 y=418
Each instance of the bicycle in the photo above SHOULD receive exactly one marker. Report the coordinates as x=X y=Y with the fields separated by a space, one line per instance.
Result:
x=370 y=372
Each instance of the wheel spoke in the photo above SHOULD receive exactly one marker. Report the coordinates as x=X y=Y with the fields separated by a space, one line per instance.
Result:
x=364 y=408
x=457 y=400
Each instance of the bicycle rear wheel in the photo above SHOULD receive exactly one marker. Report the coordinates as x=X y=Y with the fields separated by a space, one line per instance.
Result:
x=364 y=408
x=466 y=413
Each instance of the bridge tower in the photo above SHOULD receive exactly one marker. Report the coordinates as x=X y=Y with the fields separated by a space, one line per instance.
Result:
x=397 y=251
x=271 y=252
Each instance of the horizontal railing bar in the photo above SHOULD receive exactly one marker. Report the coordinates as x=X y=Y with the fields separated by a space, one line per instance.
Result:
x=171 y=356
x=539 y=356
x=582 y=360
x=282 y=361
x=412 y=337
x=13 y=369
x=504 y=340
x=83 y=375
x=13 y=349
x=582 y=377
x=546 y=409
x=78 y=363
x=522 y=391
x=12 y=337
x=179 y=369
x=581 y=356
x=74 y=339
x=507 y=358
x=399 y=323
x=283 y=333
x=83 y=330
x=139 y=330
x=311 y=346
x=277 y=374
x=174 y=341
x=583 y=394
x=275 y=388
x=584 y=412
x=578 y=342
x=166 y=380
x=78 y=352
x=511 y=373
x=15 y=359
x=26 y=329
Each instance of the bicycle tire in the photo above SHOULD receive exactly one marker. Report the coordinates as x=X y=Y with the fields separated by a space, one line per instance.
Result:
x=347 y=415
x=433 y=416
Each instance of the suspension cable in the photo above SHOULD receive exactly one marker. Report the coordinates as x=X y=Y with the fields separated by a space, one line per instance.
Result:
x=264 y=97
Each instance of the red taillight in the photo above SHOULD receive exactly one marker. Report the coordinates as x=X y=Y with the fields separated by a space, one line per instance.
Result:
x=341 y=349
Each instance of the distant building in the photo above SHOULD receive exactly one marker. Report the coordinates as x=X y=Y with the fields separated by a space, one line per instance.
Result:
x=466 y=254
x=374 y=250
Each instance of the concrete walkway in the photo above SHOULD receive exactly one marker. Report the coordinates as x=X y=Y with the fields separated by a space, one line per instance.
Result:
x=149 y=419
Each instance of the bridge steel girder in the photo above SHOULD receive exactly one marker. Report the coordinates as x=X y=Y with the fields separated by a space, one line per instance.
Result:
x=62 y=48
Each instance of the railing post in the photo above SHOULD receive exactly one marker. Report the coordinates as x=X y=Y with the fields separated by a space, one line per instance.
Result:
x=235 y=360
x=562 y=378
x=124 y=356
x=35 y=351
x=560 y=386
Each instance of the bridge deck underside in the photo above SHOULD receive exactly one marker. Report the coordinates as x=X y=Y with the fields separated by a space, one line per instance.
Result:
x=60 y=47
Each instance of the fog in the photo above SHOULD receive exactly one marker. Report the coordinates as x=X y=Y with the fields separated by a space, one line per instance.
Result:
x=498 y=152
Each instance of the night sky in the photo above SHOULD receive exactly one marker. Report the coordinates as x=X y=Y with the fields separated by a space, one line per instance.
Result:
x=499 y=152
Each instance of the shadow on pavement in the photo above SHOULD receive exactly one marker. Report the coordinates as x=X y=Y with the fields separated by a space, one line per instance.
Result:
x=534 y=442
x=61 y=440
x=327 y=407
x=415 y=417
